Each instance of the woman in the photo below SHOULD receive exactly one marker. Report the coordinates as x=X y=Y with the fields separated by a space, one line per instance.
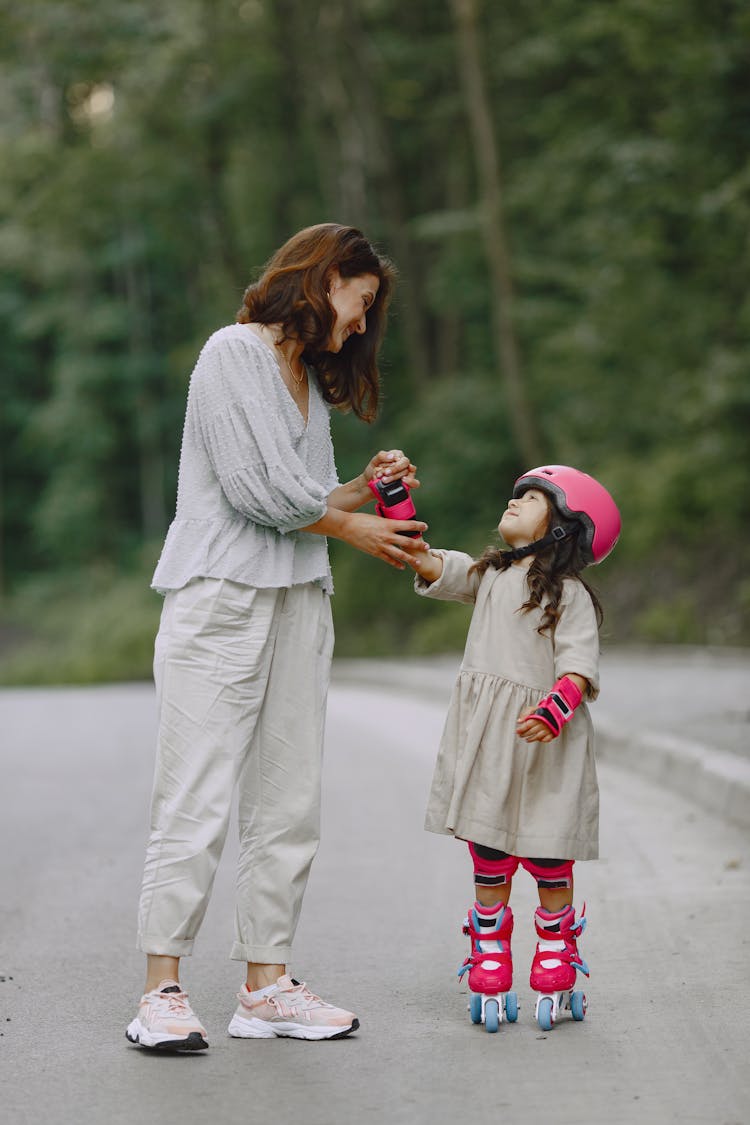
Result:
x=242 y=658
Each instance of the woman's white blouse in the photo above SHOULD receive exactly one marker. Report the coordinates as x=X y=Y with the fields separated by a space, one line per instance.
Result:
x=252 y=472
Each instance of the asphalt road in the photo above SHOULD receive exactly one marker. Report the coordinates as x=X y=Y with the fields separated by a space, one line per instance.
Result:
x=666 y=1036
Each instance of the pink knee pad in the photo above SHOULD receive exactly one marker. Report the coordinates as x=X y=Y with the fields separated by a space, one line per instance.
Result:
x=492 y=872
x=550 y=877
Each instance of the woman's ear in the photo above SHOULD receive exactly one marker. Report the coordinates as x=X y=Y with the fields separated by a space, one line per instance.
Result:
x=332 y=281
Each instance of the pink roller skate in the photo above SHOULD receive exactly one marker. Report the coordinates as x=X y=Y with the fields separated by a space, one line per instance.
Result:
x=490 y=966
x=556 y=961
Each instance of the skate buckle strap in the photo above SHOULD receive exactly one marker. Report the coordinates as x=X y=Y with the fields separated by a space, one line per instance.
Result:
x=577 y=962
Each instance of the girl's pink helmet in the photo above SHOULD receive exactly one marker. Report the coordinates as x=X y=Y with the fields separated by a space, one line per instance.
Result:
x=579 y=497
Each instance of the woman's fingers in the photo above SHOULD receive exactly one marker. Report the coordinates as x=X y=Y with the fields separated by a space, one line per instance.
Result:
x=398 y=549
x=381 y=538
x=393 y=464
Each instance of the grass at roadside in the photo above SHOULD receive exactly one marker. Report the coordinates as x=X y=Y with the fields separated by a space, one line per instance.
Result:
x=96 y=626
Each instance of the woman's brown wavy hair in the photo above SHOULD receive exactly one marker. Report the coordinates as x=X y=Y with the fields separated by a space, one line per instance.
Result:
x=292 y=292
x=549 y=568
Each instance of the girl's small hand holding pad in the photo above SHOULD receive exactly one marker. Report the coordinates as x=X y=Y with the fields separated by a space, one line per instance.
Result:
x=552 y=713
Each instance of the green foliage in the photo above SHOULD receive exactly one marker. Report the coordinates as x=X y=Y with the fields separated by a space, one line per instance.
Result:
x=91 y=626
x=153 y=156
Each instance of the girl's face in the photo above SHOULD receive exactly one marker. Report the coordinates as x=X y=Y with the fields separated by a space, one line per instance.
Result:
x=526 y=519
x=350 y=299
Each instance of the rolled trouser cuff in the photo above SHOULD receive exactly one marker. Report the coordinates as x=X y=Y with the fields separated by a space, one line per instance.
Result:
x=262 y=954
x=161 y=947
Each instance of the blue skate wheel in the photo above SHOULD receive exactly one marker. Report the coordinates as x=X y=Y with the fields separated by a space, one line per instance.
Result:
x=577 y=1005
x=475 y=1007
x=491 y=1016
x=544 y=1013
x=511 y=1007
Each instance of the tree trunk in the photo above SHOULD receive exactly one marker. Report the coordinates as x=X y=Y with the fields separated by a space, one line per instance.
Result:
x=386 y=179
x=351 y=138
x=496 y=247
x=147 y=410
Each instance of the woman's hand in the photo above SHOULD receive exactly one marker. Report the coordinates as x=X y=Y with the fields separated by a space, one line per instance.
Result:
x=391 y=464
x=387 y=465
x=380 y=538
x=372 y=535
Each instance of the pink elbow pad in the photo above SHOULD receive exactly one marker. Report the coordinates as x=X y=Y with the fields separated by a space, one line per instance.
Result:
x=557 y=708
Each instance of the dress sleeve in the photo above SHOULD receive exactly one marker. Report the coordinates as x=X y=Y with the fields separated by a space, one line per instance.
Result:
x=248 y=441
x=455 y=584
x=576 y=641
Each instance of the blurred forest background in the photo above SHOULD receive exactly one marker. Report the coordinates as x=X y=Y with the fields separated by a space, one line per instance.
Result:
x=565 y=188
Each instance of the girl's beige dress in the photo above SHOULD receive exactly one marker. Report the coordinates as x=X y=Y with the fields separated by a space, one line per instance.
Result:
x=534 y=800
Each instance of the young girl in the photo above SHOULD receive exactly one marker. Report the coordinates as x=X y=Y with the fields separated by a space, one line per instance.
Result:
x=515 y=774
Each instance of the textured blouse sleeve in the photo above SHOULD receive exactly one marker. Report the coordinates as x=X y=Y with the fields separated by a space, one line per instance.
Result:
x=455 y=584
x=248 y=441
x=576 y=641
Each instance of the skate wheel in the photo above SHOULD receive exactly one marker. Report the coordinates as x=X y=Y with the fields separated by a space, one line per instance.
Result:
x=475 y=1007
x=544 y=1013
x=577 y=1005
x=491 y=1015
x=511 y=1007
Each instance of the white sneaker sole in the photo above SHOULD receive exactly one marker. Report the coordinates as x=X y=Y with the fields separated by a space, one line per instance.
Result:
x=242 y=1028
x=142 y=1037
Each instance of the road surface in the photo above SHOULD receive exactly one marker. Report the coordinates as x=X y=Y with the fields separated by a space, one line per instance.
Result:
x=665 y=1040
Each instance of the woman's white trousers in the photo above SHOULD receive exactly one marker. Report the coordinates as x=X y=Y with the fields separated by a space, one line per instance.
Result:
x=242 y=679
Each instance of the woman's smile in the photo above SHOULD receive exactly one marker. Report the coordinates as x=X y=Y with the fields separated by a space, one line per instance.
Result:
x=351 y=298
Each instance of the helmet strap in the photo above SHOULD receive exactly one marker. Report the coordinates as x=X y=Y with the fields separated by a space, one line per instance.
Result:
x=554 y=535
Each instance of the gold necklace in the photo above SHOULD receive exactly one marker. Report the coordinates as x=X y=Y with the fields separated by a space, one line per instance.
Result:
x=296 y=379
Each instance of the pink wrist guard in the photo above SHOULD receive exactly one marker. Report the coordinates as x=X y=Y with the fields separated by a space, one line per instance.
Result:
x=394 y=502
x=557 y=708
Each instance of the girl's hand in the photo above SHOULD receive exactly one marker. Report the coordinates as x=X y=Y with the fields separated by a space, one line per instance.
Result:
x=531 y=730
x=428 y=566
x=555 y=710
x=391 y=464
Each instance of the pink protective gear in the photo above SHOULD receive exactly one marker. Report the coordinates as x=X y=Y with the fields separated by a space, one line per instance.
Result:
x=556 y=709
x=579 y=497
x=394 y=502
x=490 y=963
x=557 y=960
x=550 y=876
x=492 y=872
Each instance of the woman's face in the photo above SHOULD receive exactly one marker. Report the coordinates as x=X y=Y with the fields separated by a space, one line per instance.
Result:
x=526 y=519
x=350 y=298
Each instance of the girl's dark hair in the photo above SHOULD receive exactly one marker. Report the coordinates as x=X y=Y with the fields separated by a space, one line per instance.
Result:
x=548 y=570
x=292 y=292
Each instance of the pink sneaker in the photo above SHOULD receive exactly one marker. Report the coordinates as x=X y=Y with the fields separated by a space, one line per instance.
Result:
x=166 y=1021
x=290 y=1010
